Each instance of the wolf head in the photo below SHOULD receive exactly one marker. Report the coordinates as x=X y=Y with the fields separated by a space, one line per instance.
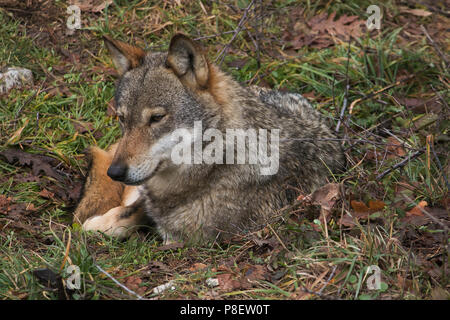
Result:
x=158 y=93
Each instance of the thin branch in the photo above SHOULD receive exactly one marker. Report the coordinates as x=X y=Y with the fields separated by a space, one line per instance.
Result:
x=238 y=29
x=347 y=87
x=435 y=45
x=400 y=164
x=118 y=283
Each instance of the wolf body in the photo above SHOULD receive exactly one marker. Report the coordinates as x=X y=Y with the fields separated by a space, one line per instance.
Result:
x=137 y=178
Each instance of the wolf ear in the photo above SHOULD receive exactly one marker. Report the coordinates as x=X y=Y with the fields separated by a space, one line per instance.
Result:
x=124 y=56
x=186 y=59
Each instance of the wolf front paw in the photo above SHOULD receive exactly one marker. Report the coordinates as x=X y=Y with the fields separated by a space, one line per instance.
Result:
x=116 y=223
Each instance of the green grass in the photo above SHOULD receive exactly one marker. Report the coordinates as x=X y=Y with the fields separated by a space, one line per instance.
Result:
x=303 y=254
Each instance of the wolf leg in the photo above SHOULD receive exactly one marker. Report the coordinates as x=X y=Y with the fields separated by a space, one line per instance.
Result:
x=120 y=221
x=101 y=193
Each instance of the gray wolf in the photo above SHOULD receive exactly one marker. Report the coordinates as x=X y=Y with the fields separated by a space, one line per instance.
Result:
x=161 y=92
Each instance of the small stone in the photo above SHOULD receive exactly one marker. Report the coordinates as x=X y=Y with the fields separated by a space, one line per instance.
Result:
x=160 y=289
x=212 y=282
x=15 y=77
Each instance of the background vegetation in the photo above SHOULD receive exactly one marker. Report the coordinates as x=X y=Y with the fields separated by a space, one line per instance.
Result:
x=385 y=91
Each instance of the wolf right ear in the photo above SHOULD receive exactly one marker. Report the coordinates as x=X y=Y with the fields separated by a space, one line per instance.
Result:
x=187 y=60
x=124 y=56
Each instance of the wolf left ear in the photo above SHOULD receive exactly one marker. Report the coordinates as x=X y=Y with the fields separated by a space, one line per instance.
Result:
x=124 y=56
x=187 y=60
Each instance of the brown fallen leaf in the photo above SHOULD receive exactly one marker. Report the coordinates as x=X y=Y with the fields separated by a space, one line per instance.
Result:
x=83 y=127
x=243 y=277
x=134 y=283
x=227 y=282
x=343 y=26
x=37 y=162
x=170 y=246
x=416 y=211
x=253 y=273
x=4 y=201
x=395 y=148
x=326 y=197
x=361 y=211
x=91 y=5
x=197 y=267
x=416 y=12
x=44 y=193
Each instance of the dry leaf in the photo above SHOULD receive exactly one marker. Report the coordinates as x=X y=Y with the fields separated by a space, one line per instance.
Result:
x=326 y=197
x=83 y=127
x=91 y=5
x=16 y=135
x=170 y=246
x=197 y=267
x=416 y=211
x=361 y=211
x=395 y=148
x=416 y=12
x=227 y=282
x=44 y=193
x=133 y=283
x=37 y=162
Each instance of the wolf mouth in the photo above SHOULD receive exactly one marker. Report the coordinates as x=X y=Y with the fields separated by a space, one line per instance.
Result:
x=142 y=181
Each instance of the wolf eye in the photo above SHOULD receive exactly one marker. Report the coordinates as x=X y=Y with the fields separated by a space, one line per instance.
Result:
x=155 y=118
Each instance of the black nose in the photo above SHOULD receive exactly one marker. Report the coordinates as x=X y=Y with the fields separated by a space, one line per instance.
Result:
x=117 y=171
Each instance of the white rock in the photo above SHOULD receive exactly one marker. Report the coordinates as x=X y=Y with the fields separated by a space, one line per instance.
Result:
x=15 y=77
x=160 y=289
x=212 y=282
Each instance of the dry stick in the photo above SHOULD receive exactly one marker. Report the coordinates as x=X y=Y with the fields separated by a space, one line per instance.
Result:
x=216 y=35
x=222 y=53
x=118 y=283
x=400 y=164
x=435 y=45
x=346 y=88
x=278 y=238
x=373 y=94
x=328 y=281
x=440 y=166
x=440 y=97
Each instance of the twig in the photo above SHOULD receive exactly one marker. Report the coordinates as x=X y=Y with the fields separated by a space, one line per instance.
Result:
x=216 y=35
x=118 y=283
x=373 y=94
x=341 y=116
x=400 y=164
x=278 y=238
x=328 y=280
x=222 y=53
x=435 y=45
x=440 y=166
